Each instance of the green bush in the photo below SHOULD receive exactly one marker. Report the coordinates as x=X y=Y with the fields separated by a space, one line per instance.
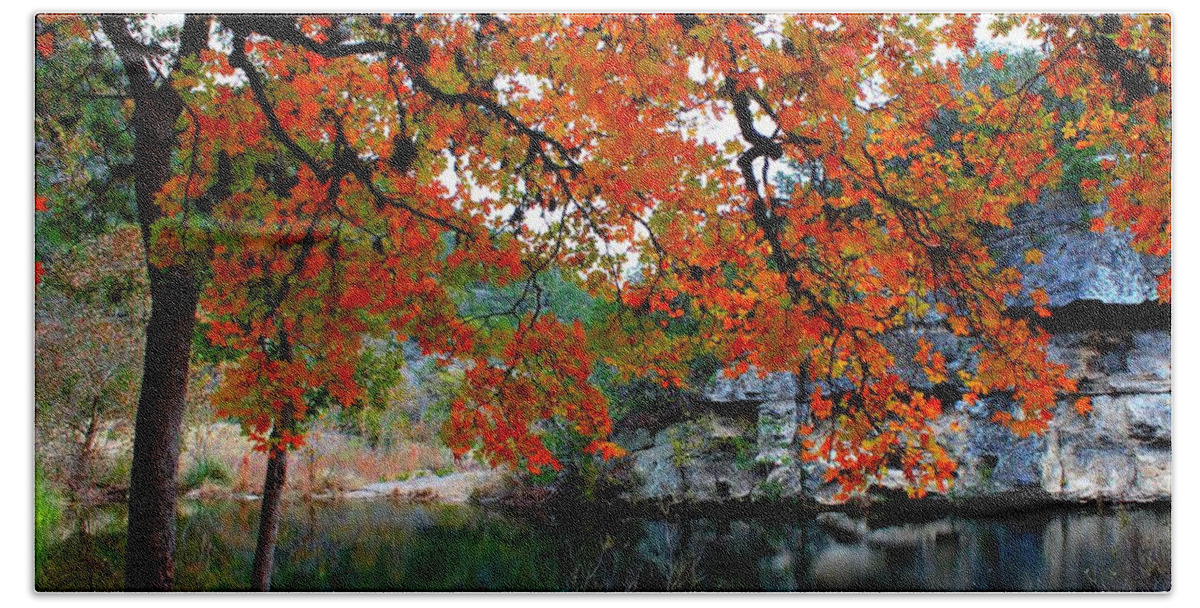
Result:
x=206 y=469
x=114 y=472
x=47 y=511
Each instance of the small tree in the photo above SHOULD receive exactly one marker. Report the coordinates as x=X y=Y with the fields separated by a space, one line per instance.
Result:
x=89 y=322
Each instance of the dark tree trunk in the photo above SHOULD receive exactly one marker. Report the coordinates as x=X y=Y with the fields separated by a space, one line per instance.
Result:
x=150 y=544
x=268 y=523
x=272 y=496
x=174 y=292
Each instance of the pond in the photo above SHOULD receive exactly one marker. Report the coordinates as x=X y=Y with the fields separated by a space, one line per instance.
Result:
x=384 y=545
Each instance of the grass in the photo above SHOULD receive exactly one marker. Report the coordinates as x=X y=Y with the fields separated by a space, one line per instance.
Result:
x=47 y=511
x=331 y=461
x=207 y=470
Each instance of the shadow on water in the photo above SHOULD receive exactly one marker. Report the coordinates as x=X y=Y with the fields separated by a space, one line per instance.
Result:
x=384 y=545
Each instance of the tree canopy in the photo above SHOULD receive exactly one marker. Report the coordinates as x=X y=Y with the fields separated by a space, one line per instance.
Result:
x=337 y=177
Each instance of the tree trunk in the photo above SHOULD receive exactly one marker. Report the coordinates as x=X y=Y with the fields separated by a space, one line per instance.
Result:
x=150 y=544
x=272 y=496
x=82 y=475
x=268 y=523
x=174 y=293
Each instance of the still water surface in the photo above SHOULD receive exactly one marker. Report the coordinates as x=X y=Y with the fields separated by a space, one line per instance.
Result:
x=383 y=545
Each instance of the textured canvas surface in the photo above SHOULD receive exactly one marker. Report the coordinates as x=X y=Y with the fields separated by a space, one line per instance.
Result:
x=611 y=302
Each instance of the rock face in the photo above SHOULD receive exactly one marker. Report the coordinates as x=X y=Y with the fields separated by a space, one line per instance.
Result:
x=708 y=459
x=1107 y=328
x=1120 y=452
x=1079 y=264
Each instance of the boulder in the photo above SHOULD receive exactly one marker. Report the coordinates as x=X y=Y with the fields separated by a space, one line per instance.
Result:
x=659 y=478
x=749 y=387
x=703 y=460
x=908 y=536
x=1150 y=418
x=841 y=527
x=1153 y=469
x=777 y=420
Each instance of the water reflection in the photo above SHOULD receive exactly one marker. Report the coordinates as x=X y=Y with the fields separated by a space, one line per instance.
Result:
x=383 y=545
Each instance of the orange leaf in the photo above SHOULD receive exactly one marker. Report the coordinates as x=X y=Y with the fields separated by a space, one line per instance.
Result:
x=1083 y=405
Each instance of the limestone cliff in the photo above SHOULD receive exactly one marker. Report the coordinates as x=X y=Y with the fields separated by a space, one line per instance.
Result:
x=738 y=440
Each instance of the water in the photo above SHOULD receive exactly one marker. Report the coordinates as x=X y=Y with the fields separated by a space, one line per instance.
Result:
x=383 y=545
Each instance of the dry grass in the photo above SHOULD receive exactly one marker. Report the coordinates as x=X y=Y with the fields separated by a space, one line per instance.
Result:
x=329 y=462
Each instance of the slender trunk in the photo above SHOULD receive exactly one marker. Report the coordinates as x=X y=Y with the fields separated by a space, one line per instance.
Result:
x=83 y=462
x=174 y=293
x=268 y=523
x=272 y=496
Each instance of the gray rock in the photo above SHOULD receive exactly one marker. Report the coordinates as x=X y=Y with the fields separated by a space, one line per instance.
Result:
x=709 y=480
x=909 y=535
x=1116 y=361
x=777 y=420
x=1150 y=418
x=697 y=460
x=1078 y=264
x=1151 y=356
x=1153 y=470
x=665 y=437
x=635 y=439
x=1106 y=425
x=842 y=527
x=724 y=428
x=990 y=457
x=660 y=478
x=1087 y=472
x=782 y=482
x=749 y=387
x=1121 y=451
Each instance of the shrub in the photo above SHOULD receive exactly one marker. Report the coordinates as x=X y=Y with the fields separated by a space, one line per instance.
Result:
x=47 y=510
x=205 y=469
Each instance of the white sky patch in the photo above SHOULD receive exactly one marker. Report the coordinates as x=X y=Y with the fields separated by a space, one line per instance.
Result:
x=510 y=86
x=1013 y=42
x=1016 y=40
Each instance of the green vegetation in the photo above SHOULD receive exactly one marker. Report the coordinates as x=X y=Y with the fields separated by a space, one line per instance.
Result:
x=47 y=511
x=206 y=470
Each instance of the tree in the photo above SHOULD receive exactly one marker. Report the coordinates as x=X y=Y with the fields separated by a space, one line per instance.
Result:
x=1118 y=68
x=89 y=323
x=139 y=72
x=311 y=181
x=902 y=173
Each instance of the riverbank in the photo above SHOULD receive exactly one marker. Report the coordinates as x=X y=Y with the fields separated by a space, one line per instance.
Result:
x=423 y=486
x=497 y=488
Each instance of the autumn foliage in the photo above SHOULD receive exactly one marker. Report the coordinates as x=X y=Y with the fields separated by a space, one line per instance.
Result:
x=343 y=177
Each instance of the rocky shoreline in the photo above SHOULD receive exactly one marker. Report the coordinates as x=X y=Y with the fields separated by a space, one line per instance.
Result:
x=453 y=488
x=1120 y=452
